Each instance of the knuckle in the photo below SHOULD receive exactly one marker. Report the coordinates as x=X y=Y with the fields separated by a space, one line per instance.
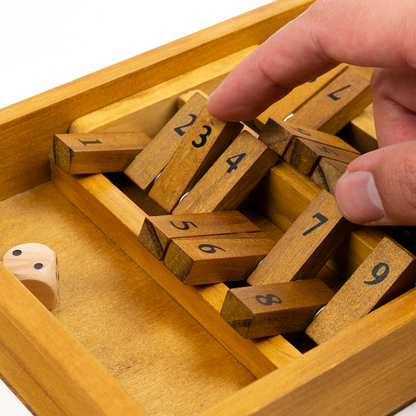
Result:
x=406 y=185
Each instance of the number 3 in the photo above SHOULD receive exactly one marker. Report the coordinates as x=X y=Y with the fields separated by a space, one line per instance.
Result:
x=203 y=137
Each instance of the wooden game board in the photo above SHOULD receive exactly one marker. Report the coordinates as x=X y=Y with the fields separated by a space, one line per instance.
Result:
x=127 y=337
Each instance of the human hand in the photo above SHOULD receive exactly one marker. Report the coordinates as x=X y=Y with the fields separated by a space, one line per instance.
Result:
x=379 y=188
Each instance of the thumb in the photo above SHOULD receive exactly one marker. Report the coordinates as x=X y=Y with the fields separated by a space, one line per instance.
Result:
x=379 y=187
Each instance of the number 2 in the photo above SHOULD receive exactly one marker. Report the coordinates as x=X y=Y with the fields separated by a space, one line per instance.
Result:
x=179 y=129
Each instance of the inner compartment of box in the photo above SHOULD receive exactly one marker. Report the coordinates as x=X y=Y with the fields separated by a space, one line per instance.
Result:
x=162 y=357
x=279 y=209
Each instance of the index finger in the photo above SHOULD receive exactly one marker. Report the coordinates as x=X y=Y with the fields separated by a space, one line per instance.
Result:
x=358 y=32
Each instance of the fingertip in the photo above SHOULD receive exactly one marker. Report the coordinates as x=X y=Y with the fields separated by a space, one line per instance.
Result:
x=211 y=105
x=358 y=198
x=223 y=106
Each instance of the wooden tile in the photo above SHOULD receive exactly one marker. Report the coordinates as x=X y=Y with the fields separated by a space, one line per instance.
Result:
x=337 y=104
x=155 y=104
x=279 y=308
x=97 y=152
x=278 y=135
x=144 y=169
x=205 y=140
x=231 y=178
x=307 y=244
x=387 y=272
x=185 y=97
x=327 y=173
x=361 y=131
x=158 y=232
x=214 y=259
x=121 y=220
x=298 y=97
x=304 y=155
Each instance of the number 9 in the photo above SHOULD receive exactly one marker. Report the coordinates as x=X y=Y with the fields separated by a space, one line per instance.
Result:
x=378 y=278
x=209 y=248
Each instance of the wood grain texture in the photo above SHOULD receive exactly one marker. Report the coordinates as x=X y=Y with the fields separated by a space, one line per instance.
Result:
x=306 y=246
x=205 y=140
x=36 y=121
x=114 y=310
x=298 y=97
x=150 y=110
x=60 y=375
x=387 y=272
x=153 y=160
x=121 y=220
x=360 y=371
x=97 y=153
x=278 y=135
x=215 y=259
x=52 y=354
x=158 y=232
x=185 y=97
x=326 y=174
x=231 y=178
x=361 y=132
x=288 y=194
x=280 y=308
x=337 y=104
x=304 y=155
x=282 y=181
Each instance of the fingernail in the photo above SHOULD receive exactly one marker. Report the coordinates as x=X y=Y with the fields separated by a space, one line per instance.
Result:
x=358 y=198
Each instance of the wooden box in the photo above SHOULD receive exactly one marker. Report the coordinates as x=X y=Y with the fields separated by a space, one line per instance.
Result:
x=127 y=337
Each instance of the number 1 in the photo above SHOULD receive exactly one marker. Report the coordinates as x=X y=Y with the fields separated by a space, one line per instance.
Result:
x=85 y=143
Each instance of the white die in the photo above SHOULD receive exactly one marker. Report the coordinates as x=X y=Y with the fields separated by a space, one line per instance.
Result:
x=36 y=266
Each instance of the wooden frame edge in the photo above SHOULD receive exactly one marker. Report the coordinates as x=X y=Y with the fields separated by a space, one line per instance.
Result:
x=55 y=374
x=90 y=195
x=35 y=121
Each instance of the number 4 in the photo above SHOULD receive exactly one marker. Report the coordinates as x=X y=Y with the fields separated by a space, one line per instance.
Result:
x=234 y=161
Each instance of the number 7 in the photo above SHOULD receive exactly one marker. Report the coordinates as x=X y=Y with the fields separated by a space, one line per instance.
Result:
x=322 y=220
